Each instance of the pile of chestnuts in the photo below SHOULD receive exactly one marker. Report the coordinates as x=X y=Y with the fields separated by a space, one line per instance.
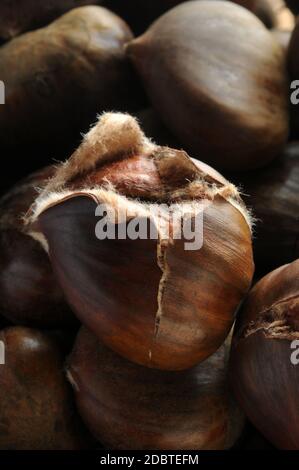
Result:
x=149 y=225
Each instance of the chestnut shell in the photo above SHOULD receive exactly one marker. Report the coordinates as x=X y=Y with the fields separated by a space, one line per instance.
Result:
x=217 y=78
x=36 y=404
x=29 y=292
x=263 y=376
x=127 y=406
x=64 y=74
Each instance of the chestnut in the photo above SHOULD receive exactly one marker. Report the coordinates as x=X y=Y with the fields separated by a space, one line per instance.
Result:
x=36 y=404
x=264 y=357
x=64 y=74
x=18 y=16
x=148 y=297
x=29 y=293
x=217 y=78
x=127 y=406
x=273 y=195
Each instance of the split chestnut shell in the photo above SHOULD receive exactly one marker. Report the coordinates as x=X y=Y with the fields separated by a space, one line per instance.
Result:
x=153 y=299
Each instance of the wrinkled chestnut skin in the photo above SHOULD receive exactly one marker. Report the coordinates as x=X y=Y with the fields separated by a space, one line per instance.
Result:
x=18 y=16
x=272 y=193
x=127 y=406
x=293 y=5
x=58 y=78
x=140 y=14
x=36 y=404
x=29 y=293
x=264 y=379
x=224 y=95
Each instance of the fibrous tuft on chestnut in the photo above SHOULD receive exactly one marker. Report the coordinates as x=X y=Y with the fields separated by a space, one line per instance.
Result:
x=264 y=366
x=148 y=298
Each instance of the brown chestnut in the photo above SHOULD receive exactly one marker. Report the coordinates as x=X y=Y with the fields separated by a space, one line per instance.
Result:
x=150 y=298
x=263 y=366
x=58 y=78
x=18 y=16
x=29 y=293
x=217 y=77
x=273 y=194
x=127 y=406
x=36 y=404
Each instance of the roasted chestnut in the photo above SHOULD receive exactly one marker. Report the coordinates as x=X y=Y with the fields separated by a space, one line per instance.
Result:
x=36 y=404
x=139 y=286
x=127 y=406
x=217 y=78
x=264 y=369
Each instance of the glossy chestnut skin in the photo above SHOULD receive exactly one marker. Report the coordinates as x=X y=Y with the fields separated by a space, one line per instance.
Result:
x=264 y=368
x=231 y=113
x=54 y=72
x=19 y=16
x=29 y=293
x=272 y=193
x=127 y=406
x=140 y=14
x=36 y=404
x=150 y=299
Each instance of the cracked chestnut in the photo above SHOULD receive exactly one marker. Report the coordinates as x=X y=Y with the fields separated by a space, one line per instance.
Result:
x=149 y=298
x=264 y=368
